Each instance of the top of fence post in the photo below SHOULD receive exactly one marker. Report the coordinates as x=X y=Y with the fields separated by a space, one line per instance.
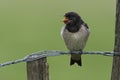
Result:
x=37 y=70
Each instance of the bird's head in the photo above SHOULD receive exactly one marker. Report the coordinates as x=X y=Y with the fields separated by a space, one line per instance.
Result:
x=71 y=18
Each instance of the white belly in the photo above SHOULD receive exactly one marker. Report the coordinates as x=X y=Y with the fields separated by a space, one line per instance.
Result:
x=75 y=41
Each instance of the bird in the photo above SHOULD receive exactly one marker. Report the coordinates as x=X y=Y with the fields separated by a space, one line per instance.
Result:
x=75 y=34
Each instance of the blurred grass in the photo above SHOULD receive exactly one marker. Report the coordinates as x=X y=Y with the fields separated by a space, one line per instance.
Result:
x=27 y=26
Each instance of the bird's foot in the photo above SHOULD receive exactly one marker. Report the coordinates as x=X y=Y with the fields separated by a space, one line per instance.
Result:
x=80 y=52
x=76 y=52
x=72 y=52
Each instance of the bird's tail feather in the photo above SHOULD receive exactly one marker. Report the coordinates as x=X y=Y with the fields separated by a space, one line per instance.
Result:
x=79 y=62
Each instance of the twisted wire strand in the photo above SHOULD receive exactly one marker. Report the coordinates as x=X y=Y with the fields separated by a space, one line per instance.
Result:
x=48 y=53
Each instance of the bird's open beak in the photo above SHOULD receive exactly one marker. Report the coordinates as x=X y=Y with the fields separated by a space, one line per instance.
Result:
x=65 y=19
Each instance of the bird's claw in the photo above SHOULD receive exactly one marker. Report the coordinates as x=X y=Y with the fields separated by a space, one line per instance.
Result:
x=76 y=52
x=80 y=52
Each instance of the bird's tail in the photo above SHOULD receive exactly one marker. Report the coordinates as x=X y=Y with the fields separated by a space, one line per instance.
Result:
x=77 y=60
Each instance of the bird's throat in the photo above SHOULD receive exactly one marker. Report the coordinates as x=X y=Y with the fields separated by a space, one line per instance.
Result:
x=73 y=28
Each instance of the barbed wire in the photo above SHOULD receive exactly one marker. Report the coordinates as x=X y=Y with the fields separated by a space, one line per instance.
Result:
x=48 y=53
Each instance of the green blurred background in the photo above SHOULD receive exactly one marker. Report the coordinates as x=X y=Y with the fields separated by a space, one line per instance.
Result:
x=27 y=26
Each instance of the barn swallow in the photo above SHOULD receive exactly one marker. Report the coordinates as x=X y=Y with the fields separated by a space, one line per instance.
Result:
x=75 y=34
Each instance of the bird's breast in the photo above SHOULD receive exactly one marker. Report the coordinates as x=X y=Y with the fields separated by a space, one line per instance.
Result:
x=75 y=41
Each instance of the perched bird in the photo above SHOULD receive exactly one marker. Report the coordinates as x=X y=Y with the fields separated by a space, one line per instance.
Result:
x=75 y=34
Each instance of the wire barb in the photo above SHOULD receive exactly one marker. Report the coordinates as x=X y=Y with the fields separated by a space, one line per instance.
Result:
x=48 y=53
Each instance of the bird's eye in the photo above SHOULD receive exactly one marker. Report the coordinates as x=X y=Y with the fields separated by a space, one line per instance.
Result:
x=73 y=18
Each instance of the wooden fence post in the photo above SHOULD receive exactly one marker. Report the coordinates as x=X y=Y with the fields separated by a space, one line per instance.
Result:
x=37 y=70
x=116 y=59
